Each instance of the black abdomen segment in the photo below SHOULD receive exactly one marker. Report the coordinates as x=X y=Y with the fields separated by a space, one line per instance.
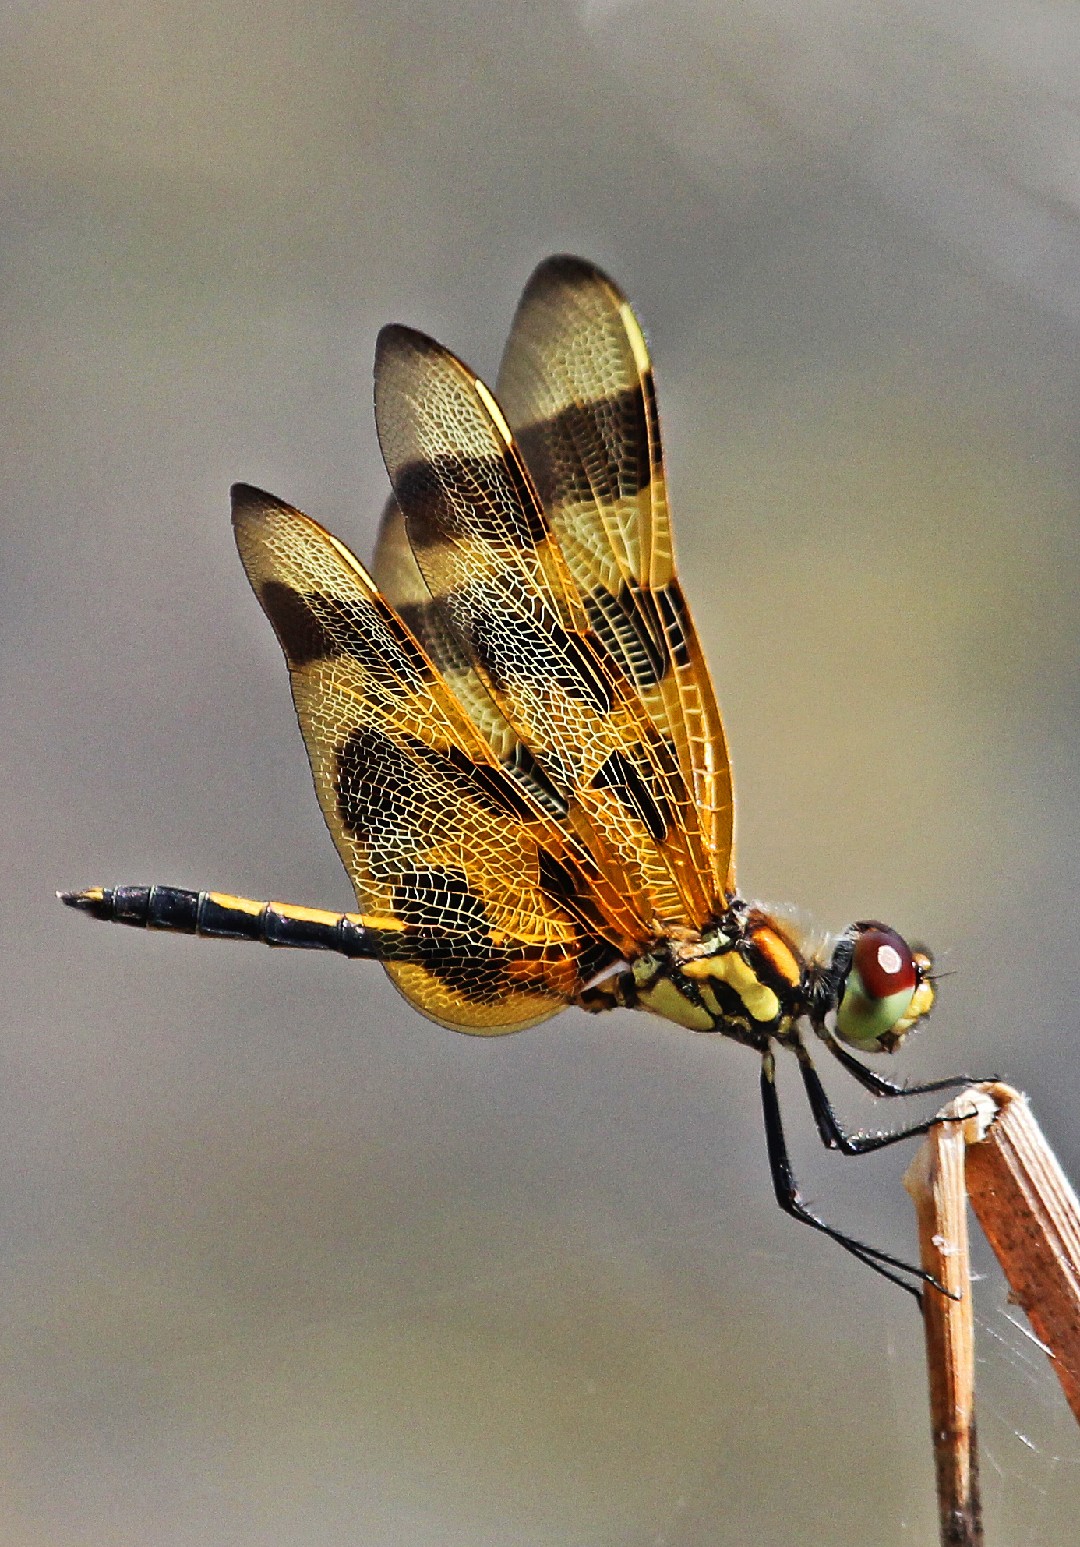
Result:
x=221 y=916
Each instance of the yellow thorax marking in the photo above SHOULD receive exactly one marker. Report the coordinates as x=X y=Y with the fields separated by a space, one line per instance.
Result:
x=665 y=1000
x=760 y=1001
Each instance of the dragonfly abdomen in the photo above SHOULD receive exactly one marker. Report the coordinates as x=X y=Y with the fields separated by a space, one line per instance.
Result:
x=222 y=916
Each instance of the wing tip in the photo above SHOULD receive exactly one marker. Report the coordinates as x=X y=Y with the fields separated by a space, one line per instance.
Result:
x=397 y=339
x=251 y=504
x=565 y=270
x=247 y=498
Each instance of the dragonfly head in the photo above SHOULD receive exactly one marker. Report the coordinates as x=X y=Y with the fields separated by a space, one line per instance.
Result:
x=883 y=987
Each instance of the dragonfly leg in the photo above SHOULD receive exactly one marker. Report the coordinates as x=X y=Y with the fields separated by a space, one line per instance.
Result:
x=831 y=1131
x=790 y=1200
x=877 y=1084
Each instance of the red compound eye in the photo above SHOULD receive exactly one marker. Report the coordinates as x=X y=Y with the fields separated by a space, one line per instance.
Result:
x=884 y=963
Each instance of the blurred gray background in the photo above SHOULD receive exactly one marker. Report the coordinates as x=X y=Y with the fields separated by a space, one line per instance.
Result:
x=280 y=1262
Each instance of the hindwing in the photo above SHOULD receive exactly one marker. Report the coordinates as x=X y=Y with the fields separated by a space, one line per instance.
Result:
x=504 y=916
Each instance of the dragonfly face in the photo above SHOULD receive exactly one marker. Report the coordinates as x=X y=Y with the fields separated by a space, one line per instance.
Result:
x=514 y=736
x=883 y=987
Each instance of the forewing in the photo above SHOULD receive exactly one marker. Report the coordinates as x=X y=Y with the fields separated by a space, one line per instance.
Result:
x=577 y=389
x=501 y=922
x=486 y=552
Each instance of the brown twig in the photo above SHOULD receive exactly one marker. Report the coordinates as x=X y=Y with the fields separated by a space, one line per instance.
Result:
x=1031 y=1217
x=935 y=1180
x=989 y=1147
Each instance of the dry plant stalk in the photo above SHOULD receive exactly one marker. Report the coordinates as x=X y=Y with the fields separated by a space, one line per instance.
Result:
x=988 y=1146
x=1031 y=1217
x=935 y=1180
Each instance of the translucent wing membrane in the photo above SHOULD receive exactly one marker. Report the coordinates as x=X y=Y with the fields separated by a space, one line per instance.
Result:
x=485 y=549
x=577 y=389
x=503 y=916
x=399 y=579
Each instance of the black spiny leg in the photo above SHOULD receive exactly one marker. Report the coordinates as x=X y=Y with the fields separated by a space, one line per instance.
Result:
x=832 y=1133
x=876 y=1084
x=787 y=1193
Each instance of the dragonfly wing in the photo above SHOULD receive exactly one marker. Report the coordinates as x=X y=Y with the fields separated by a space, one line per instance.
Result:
x=500 y=922
x=577 y=387
x=490 y=561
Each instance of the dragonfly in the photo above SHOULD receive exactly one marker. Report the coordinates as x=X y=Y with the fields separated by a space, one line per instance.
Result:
x=515 y=740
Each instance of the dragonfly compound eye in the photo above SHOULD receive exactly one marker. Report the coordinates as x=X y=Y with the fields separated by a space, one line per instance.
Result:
x=887 y=989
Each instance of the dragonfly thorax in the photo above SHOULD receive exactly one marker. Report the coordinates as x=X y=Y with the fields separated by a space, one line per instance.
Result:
x=741 y=976
x=750 y=977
